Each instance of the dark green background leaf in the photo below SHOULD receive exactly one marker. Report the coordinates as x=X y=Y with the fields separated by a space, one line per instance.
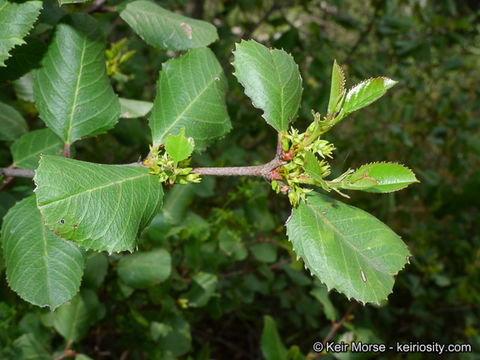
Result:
x=12 y=124
x=144 y=269
x=73 y=319
x=16 y=20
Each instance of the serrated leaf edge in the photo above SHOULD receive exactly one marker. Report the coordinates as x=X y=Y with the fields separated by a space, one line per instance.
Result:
x=22 y=41
x=264 y=116
x=393 y=163
x=8 y=280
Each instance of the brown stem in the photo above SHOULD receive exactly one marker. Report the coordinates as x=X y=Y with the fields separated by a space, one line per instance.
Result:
x=10 y=172
x=97 y=6
x=67 y=352
x=333 y=330
x=279 y=144
x=66 y=150
x=7 y=181
x=259 y=170
x=337 y=325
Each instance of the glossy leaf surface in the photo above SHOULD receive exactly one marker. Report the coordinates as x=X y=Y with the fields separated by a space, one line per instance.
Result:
x=179 y=147
x=346 y=248
x=387 y=177
x=313 y=168
x=365 y=93
x=271 y=80
x=337 y=87
x=101 y=207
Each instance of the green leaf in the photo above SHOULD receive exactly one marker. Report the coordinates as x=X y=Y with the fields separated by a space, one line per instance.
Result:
x=321 y=294
x=177 y=202
x=101 y=207
x=365 y=93
x=16 y=20
x=313 y=168
x=230 y=243
x=264 y=252
x=271 y=80
x=179 y=147
x=96 y=268
x=27 y=149
x=203 y=287
x=82 y=357
x=23 y=59
x=63 y=2
x=24 y=87
x=72 y=320
x=41 y=268
x=380 y=178
x=172 y=335
x=144 y=269
x=337 y=87
x=72 y=91
x=346 y=248
x=134 y=108
x=30 y=347
x=165 y=29
x=190 y=94
x=271 y=343
x=12 y=124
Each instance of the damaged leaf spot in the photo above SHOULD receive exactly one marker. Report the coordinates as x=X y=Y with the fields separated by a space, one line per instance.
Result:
x=187 y=29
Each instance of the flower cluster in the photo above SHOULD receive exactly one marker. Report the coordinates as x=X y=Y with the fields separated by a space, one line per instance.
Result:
x=289 y=178
x=167 y=170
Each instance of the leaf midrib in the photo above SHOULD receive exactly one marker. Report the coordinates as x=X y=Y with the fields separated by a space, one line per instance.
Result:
x=93 y=189
x=345 y=239
x=194 y=100
x=77 y=86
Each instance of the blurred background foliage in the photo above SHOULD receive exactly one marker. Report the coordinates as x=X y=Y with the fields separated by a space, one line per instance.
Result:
x=231 y=261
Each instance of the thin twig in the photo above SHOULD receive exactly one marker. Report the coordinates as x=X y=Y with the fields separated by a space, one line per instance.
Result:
x=11 y=172
x=333 y=330
x=66 y=150
x=337 y=325
x=7 y=181
x=67 y=352
x=96 y=5
x=259 y=170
